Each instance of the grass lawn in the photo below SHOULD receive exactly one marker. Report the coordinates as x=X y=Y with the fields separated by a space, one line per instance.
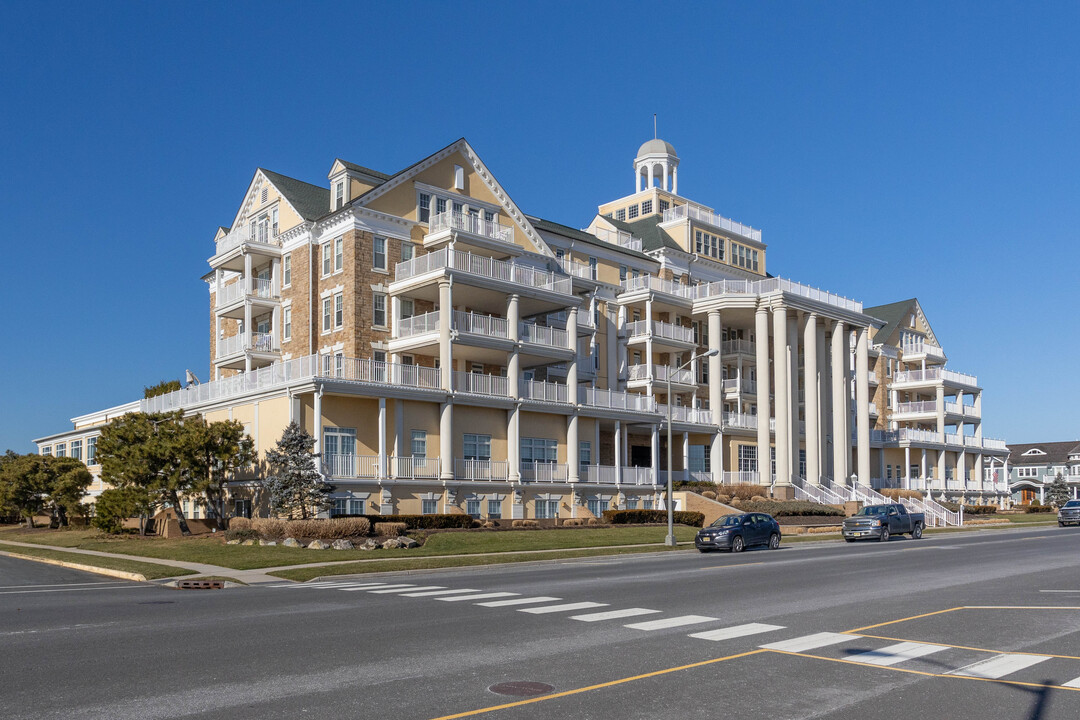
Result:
x=212 y=550
x=151 y=571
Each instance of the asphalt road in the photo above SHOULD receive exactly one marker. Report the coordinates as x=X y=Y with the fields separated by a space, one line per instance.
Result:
x=979 y=625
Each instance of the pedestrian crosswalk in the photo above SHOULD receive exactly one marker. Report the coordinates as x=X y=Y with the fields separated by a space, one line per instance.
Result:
x=818 y=645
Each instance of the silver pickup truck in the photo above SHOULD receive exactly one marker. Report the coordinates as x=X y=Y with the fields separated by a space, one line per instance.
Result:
x=878 y=522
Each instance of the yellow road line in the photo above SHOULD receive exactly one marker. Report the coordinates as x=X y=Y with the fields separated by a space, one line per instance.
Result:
x=1021 y=607
x=610 y=683
x=966 y=647
x=923 y=673
x=893 y=622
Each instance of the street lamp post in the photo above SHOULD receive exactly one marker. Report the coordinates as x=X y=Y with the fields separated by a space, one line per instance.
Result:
x=670 y=539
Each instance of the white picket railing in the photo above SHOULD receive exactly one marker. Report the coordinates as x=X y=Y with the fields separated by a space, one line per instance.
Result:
x=598 y=474
x=483 y=266
x=816 y=493
x=700 y=214
x=619 y=237
x=685 y=414
x=663 y=372
x=229 y=293
x=740 y=420
x=577 y=269
x=482 y=470
x=477 y=324
x=473 y=224
x=636 y=476
x=373 y=371
x=250 y=232
x=544 y=391
x=650 y=282
x=351 y=466
x=660 y=329
x=415 y=468
x=615 y=400
x=917 y=435
x=540 y=335
x=731 y=347
x=742 y=477
x=544 y=472
x=418 y=324
x=919 y=406
x=228 y=346
x=479 y=384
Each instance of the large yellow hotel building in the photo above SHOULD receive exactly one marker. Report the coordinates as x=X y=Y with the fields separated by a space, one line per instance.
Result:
x=452 y=353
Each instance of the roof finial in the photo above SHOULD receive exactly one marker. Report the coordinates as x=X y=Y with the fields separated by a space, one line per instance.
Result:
x=654 y=126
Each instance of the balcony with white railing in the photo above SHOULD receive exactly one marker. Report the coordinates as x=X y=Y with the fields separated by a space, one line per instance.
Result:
x=738 y=347
x=994 y=444
x=651 y=283
x=615 y=400
x=443 y=226
x=544 y=472
x=917 y=407
x=481 y=266
x=229 y=294
x=914 y=349
x=932 y=376
x=229 y=346
x=768 y=285
x=729 y=384
x=740 y=420
x=954 y=439
x=639 y=330
x=480 y=384
x=374 y=371
x=871 y=377
x=481 y=470
x=540 y=391
x=619 y=237
x=916 y=435
x=261 y=288
x=351 y=466
x=415 y=468
x=683 y=414
x=639 y=374
x=586 y=368
x=959 y=378
x=418 y=325
x=742 y=477
x=599 y=474
x=472 y=323
x=700 y=214
x=541 y=335
x=972 y=442
x=574 y=268
x=585 y=322
x=262 y=342
x=260 y=233
x=721 y=288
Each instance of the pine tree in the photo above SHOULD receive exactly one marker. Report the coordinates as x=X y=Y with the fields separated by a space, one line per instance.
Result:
x=294 y=484
x=1057 y=494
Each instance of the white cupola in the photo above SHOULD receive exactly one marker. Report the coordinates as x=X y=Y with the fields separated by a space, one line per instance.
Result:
x=656 y=165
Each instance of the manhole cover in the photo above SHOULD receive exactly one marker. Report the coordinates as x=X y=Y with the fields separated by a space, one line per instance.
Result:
x=521 y=688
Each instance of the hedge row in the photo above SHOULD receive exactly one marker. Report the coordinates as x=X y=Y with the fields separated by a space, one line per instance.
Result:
x=634 y=517
x=741 y=491
x=790 y=508
x=969 y=509
x=425 y=522
x=1037 y=508
x=898 y=493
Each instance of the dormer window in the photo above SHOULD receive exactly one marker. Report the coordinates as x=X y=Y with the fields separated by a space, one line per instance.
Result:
x=459 y=177
x=339 y=194
x=1034 y=451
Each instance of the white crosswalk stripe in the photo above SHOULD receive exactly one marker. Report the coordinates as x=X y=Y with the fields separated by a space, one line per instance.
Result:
x=384 y=587
x=562 y=608
x=518 y=601
x=999 y=666
x=736 y=631
x=481 y=596
x=1073 y=683
x=365 y=586
x=613 y=614
x=894 y=654
x=432 y=593
x=809 y=642
x=665 y=623
x=411 y=588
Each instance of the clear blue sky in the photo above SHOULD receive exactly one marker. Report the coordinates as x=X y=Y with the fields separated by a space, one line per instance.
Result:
x=886 y=150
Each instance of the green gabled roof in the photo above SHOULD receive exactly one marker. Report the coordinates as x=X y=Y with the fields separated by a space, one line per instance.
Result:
x=892 y=314
x=361 y=169
x=554 y=227
x=648 y=229
x=311 y=201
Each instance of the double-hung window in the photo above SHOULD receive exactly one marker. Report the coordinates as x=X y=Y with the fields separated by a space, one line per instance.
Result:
x=541 y=450
x=585 y=453
x=378 y=309
x=339 y=194
x=339 y=310
x=61 y=450
x=91 y=451
x=472 y=509
x=429 y=507
x=477 y=447
x=327 y=313
x=440 y=205
x=597 y=506
x=747 y=458
x=408 y=251
x=339 y=254
x=378 y=260
x=76 y=449
x=547 y=509
x=494 y=509
x=425 y=207
x=286 y=323
x=286 y=271
x=327 y=259
x=418 y=444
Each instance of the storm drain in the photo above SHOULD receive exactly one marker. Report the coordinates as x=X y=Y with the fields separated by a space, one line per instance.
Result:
x=521 y=688
x=200 y=584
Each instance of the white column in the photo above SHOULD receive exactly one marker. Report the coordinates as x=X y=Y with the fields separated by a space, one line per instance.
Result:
x=922 y=466
x=513 y=368
x=823 y=399
x=686 y=456
x=841 y=437
x=716 y=383
x=783 y=386
x=572 y=365
x=665 y=167
x=651 y=175
x=382 y=473
x=810 y=383
x=764 y=446
x=907 y=468
x=446 y=312
x=318 y=427
x=513 y=442
x=862 y=404
x=446 y=440
x=648 y=338
x=395 y=316
x=716 y=458
x=618 y=452
x=573 y=448
x=793 y=396
x=399 y=432
x=655 y=452
x=675 y=180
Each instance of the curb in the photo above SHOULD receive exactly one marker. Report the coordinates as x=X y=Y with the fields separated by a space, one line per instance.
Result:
x=136 y=577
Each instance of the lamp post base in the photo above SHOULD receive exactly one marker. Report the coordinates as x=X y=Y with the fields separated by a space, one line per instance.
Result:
x=670 y=541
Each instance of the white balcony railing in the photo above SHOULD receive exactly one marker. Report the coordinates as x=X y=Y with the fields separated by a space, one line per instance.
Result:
x=351 y=466
x=480 y=384
x=683 y=376
x=573 y=268
x=477 y=324
x=467 y=263
x=935 y=374
x=923 y=348
x=418 y=324
x=228 y=346
x=917 y=407
x=599 y=474
x=917 y=435
x=684 y=414
x=680 y=212
x=251 y=232
x=229 y=294
x=650 y=282
x=994 y=444
x=615 y=400
x=482 y=470
x=725 y=287
x=760 y=287
x=540 y=335
x=544 y=472
x=636 y=476
x=558 y=319
x=742 y=477
x=620 y=238
x=262 y=342
x=960 y=378
x=731 y=347
x=586 y=368
x=472 y=224
x=740 y=420
x=415 y=468
x=373 y=371
x=544 y=391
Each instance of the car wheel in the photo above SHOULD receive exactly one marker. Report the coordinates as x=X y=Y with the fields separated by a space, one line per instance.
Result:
x=884 y=537
x=917 y=532
x=737 y=544
x=774 y=541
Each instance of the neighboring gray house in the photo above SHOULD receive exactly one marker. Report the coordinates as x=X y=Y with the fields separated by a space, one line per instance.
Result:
x=1033 y=466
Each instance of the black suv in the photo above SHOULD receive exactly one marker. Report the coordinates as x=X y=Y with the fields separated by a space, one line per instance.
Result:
x=736 y=532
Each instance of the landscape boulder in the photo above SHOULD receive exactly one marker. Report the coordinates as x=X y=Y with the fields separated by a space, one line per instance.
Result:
x=317 y=545
x=291 y=542
x=368 y=544
x=268 y=543
x=232 y=542
x=249 y=542
x=342 y=544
